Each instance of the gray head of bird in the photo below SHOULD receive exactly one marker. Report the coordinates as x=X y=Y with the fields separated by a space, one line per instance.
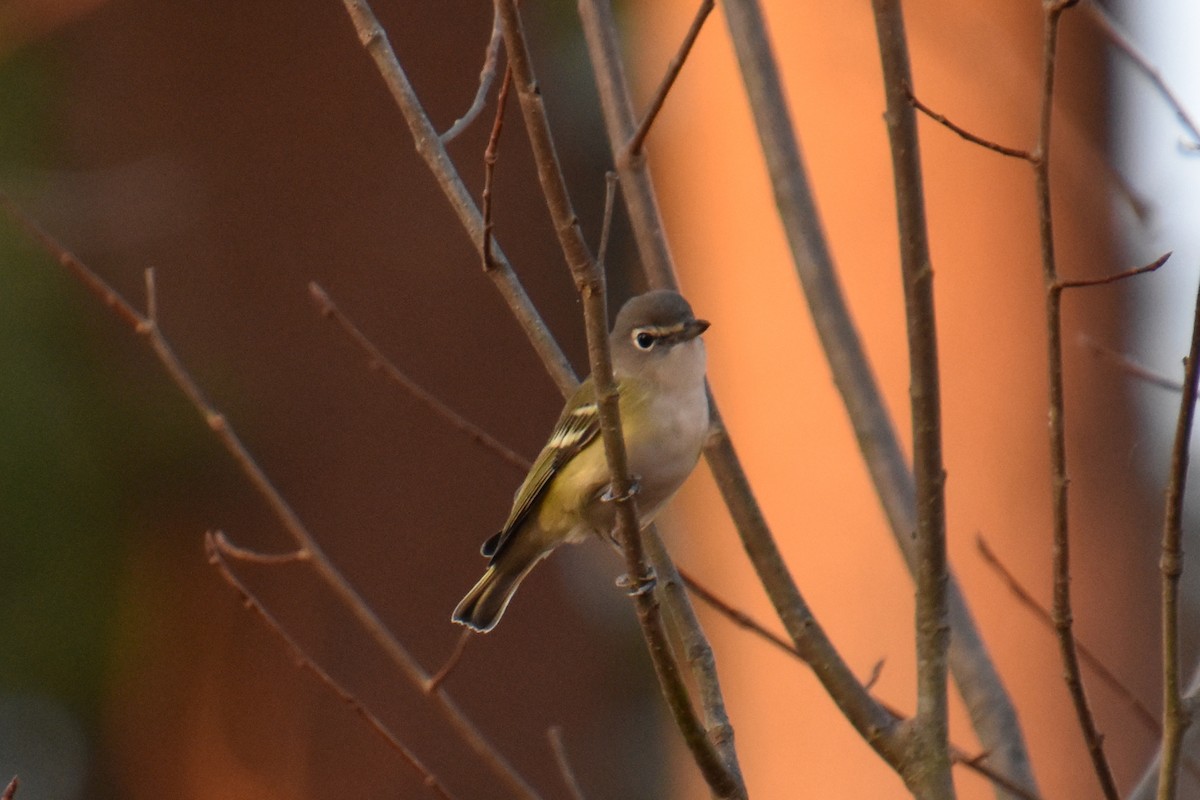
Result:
x=656 y=336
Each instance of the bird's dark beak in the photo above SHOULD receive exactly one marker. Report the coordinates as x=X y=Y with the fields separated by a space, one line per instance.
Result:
x=693 y=329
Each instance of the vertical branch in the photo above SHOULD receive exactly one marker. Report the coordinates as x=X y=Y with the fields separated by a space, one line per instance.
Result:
x=490 y=154
x=1176 y=717
x=604 y=51
x=723 y=778
x=1063 y=621
x=929 y=773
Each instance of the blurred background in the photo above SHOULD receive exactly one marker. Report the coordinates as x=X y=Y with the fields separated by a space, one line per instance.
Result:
x=245 y=149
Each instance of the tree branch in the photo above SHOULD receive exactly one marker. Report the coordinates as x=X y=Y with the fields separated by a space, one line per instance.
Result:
x=928 y=771
x=307 y=546
x=723 y=777
x=1063 y=622
x=217 y=547
x=1176 y=715
x=430 y=147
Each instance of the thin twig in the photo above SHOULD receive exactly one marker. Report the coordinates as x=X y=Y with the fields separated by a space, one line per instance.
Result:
x=1127 y=364
x=634 y=146
x=487 y=74
x=555 y=735
x=1176 y=717
x=217 y=546
x=942 y=120
x=376 y=358
x=722 y=776
x=927 y=769
x=490 y=154
x=1120 y=276
x=1112 y=31
x=637 y=189
x=147 y=326
x=1044 y=616
x=430 y=147
x=1063 y=622
x=459 y=648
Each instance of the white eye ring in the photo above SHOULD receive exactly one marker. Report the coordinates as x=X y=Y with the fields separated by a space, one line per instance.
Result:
x=643 y=339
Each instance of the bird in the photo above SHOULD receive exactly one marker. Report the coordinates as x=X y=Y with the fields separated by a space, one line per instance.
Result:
x=659 y=368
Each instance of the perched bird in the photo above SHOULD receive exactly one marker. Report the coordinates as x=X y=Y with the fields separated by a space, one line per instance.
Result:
x=658 y=364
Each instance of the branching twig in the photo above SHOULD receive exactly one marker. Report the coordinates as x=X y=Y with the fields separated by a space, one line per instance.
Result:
x=330 y=310
x=491 y=58
x=374 y=40
x=1058 y=450
x=455 y=656
x=218 y=546
x=941 y=119
x=722 y=775
x=306 y=545
x=1120 y=276
x=489 y=166
x=927 y=771
x=634 y=147
x=555 y=735
x=1044 y=616
x=1176 y=716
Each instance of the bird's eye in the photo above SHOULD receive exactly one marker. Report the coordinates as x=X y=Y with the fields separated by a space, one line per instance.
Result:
x=643 y=340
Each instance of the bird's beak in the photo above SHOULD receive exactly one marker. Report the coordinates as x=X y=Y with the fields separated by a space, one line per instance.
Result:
x=693 y=329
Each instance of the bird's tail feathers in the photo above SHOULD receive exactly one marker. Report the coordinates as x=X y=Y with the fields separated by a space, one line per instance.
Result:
x=483 y=606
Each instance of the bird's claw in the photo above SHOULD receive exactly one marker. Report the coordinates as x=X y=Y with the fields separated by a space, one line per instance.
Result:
x=636 y=587
x=635 y=484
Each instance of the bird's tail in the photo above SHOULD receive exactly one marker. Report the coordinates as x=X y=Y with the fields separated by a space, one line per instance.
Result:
x=483 y=606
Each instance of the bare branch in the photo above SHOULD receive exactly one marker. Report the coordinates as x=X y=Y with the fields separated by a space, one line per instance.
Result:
x=992 y=713
x=303 y=539
x=958 y=755
x=330 y=310
x=634 y=147
x=1063 y=621
x=722 y=777
x=927 y=771
x=1120 y=276
x=1176 y=715
x=215 y=544
x=637 y=189
x=459 y=648
x=374 y=40
x=1044 y=616
x=489 y=167
x=555 y=735
x=1012 y=152
x=491 y=57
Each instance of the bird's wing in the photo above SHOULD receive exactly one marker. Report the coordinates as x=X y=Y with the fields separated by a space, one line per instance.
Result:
x=576 y=427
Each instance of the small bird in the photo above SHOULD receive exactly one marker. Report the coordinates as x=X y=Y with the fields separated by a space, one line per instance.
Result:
x=658 y=363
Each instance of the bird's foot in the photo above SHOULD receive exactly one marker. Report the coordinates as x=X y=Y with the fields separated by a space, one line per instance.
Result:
x=635 y=484
x=635 y=587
